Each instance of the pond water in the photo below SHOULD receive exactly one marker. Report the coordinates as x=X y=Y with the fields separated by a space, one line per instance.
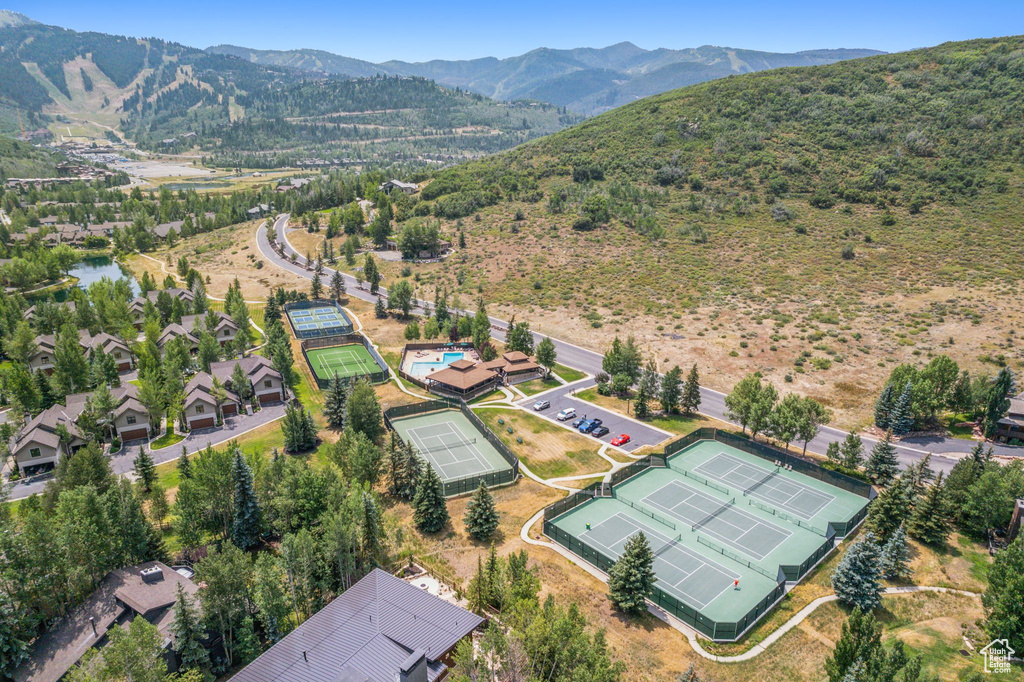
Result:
x=94 y=269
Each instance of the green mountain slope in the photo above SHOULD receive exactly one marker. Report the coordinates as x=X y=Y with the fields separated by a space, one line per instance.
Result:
x=754 y=186
x=306 y=60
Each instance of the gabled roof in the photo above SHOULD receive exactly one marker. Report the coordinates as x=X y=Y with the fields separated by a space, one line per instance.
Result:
x=201 y=387
x=462 y=379
x=255 y=367
x=173 y=331
x=120 y=593
x=189 y=321
x=369 y=630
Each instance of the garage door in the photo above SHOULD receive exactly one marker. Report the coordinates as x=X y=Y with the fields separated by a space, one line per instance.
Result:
x=269 y=397
x=206 y=423
x=229 y=409
x=124 y=367
x=134 y=434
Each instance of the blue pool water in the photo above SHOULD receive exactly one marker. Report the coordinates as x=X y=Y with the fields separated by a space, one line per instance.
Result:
x=422 y=369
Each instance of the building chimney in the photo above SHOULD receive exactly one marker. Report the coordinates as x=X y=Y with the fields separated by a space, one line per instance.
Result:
x=414 y=669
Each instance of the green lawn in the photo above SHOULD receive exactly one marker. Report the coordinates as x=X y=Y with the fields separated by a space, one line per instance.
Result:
x=569 y=374
x=168 y=439
x=536 y=386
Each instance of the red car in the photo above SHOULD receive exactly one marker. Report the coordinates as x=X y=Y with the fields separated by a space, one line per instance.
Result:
x=622 y=439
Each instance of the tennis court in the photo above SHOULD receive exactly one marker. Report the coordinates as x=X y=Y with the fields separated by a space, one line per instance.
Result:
x=722 y=521
x=353 y=360
x=453 y=445
x=322 y=320
x=681 y=572
x=763 y=482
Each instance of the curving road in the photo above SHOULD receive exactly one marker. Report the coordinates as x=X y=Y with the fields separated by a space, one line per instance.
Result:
x=945 y=451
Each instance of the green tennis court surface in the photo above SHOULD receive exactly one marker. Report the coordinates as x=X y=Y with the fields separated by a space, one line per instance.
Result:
x=345 y=361
x=715 y=516
x=450 y=443
x=322 y=321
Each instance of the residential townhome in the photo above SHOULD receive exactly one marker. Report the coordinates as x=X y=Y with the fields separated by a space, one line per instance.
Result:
x=267 y=383
x=30 y=313
x=1011 y=427
x=200 y=406
x=101 y=343
x=131 y=421
x=38 y=444
x=137 y=307
x=174 y=331
x=225 y=331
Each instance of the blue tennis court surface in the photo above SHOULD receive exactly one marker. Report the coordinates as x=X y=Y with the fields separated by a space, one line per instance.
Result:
x=319 y=321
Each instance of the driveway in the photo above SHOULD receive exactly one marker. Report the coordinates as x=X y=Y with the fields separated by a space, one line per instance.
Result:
x=562 y=397
x=122 y=462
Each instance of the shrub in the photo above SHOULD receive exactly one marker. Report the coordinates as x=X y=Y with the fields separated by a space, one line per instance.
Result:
x=848 y=253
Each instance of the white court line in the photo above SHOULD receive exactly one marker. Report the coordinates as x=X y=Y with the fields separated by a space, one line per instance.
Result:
x=804 y=488
x=647 y=530
x=451 y=430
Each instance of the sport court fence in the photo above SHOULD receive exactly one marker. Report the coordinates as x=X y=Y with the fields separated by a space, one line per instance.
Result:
x=719 y=631
x=380 y=376
x=345 y=328
x=466 y=484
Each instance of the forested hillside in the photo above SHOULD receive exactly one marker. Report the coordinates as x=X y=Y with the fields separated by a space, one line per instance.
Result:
x=877 y=198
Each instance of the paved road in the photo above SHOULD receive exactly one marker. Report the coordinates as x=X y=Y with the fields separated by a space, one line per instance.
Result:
x=946 y=451
x=640 y=434
x=123 y=462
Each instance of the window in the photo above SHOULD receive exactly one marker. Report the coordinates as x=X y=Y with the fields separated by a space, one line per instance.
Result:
x=227 y=332
x=35 y=452
x=117 y=354
x=200 y=408
x=268 y=383
x=45 y=358
x=131 y=419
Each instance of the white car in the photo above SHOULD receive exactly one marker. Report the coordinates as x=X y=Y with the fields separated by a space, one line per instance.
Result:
x=566 y=414
x=541 y=405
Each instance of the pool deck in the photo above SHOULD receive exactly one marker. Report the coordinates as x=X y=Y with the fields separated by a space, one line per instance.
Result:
x=434 y=355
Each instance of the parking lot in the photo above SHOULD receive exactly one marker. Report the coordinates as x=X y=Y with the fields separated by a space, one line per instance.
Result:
x=640 y=434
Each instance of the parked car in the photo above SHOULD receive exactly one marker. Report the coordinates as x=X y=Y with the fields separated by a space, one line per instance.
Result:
x=567 y=413
x=541 y=405
x=589 y=425
x=578 y=423
x=621 y=439
x=599 y=431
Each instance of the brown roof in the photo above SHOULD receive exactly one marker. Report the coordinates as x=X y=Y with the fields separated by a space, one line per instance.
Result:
x=461 y=365
x=464 y=378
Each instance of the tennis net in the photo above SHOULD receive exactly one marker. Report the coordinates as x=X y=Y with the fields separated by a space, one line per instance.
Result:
x=707 y=519
x=760 y=483
x=446 y=446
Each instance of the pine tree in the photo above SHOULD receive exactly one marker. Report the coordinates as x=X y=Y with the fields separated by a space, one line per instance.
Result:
x=901 y=420
x=246 y=516
x=883 y=463
x=672 y=390
x=631 y=579
x=691 y=391
x=337 y=286
x=144 y=468
x=930 y=522
x=883 y=408
x=856 y=578
x=478 y=589
x=889 y=510
x=860 y=641
x=481 y=517
x=316 y=287
x=334 y=403
x=184 y=465
x=380 y=309
x=372 y=531
x=852 y=451
x=188 y=634
x=895 y=556
x=431 y=508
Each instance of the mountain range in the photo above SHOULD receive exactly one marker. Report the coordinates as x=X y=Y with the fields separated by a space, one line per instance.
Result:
x=586 y=80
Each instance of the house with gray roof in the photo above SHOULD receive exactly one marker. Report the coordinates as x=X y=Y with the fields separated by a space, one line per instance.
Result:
x=148 y=591
x=405 y=187
x=267 y=383
x=382 y=629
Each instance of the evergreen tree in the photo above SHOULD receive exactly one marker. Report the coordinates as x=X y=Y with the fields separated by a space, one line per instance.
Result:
x=334 y=403
x=247 y=646
x=481 y=517
x=337 y=286
x=271 y=311
x=895 y=556
x=189 y=634
x=856 y=578
x=691 y=391
x=380 y=309
x=852 y=451
x=998 y=402
x=883 y=408
x=833 y=453
x=860 y=641
x=883 y=463
x=144 y=469
x=889 y=510
x=372 y=536
x=429 y=505
x=631 y=579
x=316 y=287
x=672 y=390
x=901 y=419
x=184 y=465
x=246 y=517
x=269 y=596
x=299 y=429
x=929 y=522
x=362 y=410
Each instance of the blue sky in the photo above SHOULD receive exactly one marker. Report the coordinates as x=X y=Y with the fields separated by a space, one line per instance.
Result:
x=460 y=29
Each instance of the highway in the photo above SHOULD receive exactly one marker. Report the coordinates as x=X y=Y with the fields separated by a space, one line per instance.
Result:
x=945 y=451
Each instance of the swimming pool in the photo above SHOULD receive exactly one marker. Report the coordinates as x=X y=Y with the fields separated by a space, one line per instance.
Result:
x=422 y=369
